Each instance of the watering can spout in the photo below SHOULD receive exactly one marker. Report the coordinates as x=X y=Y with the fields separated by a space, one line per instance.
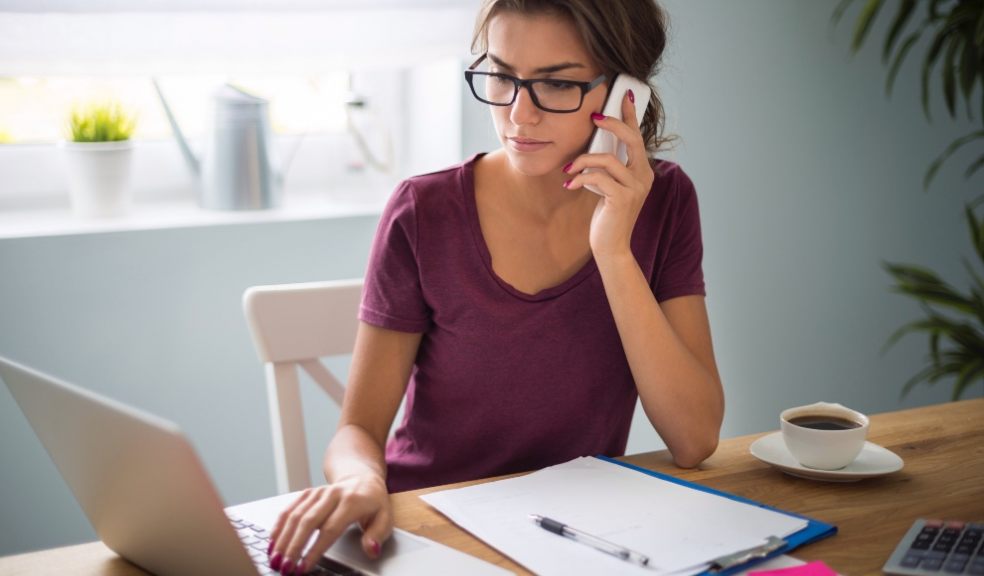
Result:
x=193 y=162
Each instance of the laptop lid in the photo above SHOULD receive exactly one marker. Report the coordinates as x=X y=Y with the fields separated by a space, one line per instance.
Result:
x=136 y=477
x=146 y=493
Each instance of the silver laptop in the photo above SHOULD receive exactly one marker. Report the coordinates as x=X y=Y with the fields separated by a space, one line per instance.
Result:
x=148 y=496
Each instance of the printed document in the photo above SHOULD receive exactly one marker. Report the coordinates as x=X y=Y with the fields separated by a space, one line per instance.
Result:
x=681 y=529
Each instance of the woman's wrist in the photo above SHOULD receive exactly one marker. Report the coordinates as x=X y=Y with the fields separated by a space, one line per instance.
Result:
x=616 y=262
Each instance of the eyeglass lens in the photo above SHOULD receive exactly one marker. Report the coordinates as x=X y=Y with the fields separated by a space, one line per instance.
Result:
x=553 y=95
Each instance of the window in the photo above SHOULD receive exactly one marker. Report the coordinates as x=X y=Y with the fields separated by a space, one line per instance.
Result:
x=339 y=76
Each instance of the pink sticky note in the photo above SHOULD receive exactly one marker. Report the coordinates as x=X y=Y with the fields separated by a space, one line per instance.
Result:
x=815 y=568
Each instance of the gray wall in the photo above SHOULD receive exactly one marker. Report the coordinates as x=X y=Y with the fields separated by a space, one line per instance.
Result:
x=807 y=179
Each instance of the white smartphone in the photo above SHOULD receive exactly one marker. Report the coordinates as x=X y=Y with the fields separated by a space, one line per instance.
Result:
x=603 y=141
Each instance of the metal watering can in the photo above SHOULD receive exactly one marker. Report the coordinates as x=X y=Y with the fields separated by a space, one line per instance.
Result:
x=235 y=171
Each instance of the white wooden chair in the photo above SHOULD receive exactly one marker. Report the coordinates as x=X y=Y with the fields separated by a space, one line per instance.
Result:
x=295 y=325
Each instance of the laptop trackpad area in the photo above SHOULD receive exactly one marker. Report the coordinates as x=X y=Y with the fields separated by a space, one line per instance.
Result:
x=348 y=548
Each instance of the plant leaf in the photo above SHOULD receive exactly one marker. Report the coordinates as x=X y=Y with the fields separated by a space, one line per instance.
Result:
x=974 y=167
x=914 y=326
x=953 y=147
x=930 y=62
x=839 y=11
x=905 y=12
x=969 y=70
x=949 y=74
x=979 y=35
x=971 y=372
x=863 y=25
x=893 y=71
x=975 y=231
x=918 y=377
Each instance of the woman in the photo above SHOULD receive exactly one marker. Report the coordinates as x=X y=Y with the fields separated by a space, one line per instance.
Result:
x=526 y=312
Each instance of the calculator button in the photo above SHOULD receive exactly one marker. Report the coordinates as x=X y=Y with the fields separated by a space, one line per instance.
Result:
x=931 y=563
x=956 y=525
x=911 y=560
x=976 y=568
x=956 y=563
x=954 y=566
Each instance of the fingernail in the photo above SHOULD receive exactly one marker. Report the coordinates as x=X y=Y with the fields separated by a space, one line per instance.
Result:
x=374 y=546
x=270 y=547
x=567 y=166
x=597 y=116
x=631 y=96
x=567 y=183
x=301 y=568
x=287 y=569
x=276 y=561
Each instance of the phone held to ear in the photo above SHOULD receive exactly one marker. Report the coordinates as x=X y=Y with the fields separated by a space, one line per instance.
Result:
x=603 y=141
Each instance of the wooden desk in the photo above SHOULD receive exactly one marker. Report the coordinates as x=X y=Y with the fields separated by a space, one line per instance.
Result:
x=942 y=445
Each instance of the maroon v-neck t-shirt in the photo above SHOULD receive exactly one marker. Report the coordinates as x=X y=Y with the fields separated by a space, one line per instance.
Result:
x=506 y=381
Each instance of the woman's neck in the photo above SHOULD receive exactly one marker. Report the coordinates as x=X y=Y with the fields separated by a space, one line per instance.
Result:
x=541 y=198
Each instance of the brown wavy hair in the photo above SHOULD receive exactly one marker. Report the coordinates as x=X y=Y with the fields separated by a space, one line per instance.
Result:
x=622 y=36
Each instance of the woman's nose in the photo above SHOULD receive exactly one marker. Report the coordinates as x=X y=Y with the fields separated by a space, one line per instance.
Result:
x=523 y=110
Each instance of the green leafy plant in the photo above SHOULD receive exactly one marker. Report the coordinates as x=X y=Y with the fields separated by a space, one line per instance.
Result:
x=101 y=122
x=956 y=345
x=956 y=27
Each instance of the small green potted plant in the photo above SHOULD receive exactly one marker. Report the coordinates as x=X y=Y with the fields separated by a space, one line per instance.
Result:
x=98 y=155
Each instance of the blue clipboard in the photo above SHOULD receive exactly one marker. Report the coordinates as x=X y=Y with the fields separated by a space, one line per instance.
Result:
x=815 y=529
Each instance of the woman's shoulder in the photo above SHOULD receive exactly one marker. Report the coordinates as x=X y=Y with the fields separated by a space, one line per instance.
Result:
x=437 y=194
x=670 y=177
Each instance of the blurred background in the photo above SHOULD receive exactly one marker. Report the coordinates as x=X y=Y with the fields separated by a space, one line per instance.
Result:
x=808 y=179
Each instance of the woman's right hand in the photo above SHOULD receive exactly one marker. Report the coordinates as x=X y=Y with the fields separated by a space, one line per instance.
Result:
x=329 y=510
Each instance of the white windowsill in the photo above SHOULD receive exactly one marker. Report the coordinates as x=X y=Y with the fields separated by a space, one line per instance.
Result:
x=184 y=213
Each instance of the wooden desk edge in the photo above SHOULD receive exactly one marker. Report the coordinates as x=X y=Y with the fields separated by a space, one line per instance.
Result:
x=412 y=514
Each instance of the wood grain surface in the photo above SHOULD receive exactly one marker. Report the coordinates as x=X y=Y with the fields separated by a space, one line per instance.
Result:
x=942 y=446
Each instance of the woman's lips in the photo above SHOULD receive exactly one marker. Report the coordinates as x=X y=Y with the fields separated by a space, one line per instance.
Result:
x=527 y=144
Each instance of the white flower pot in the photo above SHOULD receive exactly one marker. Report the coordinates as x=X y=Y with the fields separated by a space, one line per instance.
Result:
x=98 y=177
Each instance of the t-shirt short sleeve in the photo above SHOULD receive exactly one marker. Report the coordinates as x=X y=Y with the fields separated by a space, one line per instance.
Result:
x=391 y=296
x=682 y=273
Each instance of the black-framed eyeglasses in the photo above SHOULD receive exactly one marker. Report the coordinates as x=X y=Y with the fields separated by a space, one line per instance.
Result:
x=549 y=95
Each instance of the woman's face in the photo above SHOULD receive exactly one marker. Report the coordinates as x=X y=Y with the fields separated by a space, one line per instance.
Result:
x=541 y=46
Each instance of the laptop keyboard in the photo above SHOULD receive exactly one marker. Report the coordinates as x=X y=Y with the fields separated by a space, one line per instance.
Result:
x=257 y=540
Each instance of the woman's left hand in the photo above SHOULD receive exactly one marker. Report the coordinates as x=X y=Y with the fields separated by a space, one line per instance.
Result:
x=623 y=189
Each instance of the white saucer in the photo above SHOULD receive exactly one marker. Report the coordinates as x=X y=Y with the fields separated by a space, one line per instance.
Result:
x=872 y=461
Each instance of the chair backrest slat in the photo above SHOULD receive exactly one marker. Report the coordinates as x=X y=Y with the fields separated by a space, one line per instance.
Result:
x=291 y=325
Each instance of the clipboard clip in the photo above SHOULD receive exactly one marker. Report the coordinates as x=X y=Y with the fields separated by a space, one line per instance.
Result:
x=742 y=556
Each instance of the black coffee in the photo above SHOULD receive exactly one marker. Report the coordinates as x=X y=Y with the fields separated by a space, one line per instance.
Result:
x=824 y=422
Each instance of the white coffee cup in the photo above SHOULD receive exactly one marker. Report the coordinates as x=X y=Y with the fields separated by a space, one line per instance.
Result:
x=823 y=436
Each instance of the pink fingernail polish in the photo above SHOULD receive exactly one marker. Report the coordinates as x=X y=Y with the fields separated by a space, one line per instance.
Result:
x=375 y=548
x=287 y=569
x=270 y=547
x=567 y=166
x=567 y=183
x=276 y=561
x=631 y=96
x=301 y=568
x=597 y=116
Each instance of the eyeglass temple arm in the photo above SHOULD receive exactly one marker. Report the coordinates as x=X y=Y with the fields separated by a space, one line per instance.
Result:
x=479 y=61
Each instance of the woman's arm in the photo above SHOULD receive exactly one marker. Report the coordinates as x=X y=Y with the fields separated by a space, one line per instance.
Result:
x=668 y=345
x=669 y=350
x=354 y=462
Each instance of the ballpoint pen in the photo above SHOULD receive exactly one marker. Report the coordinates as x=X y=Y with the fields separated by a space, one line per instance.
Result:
x=595 y=542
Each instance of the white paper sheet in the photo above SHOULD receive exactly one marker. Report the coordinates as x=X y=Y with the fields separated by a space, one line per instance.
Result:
x=679 y=528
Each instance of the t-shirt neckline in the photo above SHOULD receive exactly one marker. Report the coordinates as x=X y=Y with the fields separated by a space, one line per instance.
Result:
x=471 y=204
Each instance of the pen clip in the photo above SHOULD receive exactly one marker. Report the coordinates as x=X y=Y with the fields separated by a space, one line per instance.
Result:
x=742 y=556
